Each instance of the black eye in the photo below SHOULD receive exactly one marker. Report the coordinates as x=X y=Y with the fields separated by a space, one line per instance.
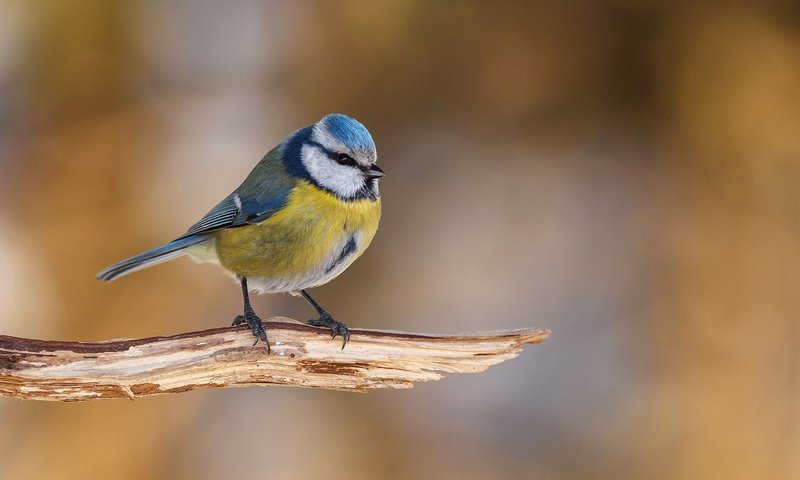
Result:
x=345 y=159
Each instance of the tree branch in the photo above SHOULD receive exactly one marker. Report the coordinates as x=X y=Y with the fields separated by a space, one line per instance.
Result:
x=302 y=356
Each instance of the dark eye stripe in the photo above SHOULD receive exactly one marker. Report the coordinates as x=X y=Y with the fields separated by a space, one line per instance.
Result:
x=345 y=159
x=340 y=158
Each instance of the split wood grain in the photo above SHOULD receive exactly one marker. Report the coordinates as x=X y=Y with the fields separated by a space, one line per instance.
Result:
x=302 y=356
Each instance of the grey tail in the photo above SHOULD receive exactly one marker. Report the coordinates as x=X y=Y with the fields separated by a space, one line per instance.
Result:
x=149 y=258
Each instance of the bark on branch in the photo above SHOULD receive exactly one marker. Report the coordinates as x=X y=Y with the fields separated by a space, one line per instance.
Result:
x=302 y=356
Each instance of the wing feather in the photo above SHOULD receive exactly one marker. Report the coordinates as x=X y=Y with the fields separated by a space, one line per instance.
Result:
x=220 y=216
x=264 y=192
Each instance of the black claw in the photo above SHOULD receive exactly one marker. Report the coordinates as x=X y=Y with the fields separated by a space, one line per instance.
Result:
x=337 y=328
x=256 y=326
x=250 y=317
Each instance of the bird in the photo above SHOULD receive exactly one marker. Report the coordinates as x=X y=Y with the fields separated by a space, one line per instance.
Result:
x=305 y=212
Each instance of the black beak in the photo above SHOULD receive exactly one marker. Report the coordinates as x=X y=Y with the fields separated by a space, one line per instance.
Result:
x=374 y=171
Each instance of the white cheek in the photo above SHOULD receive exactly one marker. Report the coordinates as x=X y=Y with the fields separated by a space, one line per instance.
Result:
x=340 y=179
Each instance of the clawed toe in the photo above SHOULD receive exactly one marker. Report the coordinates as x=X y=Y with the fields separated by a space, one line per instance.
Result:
x=256 y=326
x=337 y=328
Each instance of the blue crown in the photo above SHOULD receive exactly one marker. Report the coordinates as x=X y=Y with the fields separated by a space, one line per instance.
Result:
x=349 y=131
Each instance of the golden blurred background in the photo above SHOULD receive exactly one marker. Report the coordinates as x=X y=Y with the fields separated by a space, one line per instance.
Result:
x=624 y=173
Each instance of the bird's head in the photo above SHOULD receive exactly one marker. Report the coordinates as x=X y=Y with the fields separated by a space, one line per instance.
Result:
x=337 y=154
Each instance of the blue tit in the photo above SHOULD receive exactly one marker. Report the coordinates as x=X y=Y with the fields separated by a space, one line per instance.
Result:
x=308 y=209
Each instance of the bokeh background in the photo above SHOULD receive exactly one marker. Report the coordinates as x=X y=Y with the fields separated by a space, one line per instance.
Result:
x=624 y=173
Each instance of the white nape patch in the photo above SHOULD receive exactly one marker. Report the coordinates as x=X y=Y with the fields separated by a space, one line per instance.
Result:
x=237 y=201
x=342 y=180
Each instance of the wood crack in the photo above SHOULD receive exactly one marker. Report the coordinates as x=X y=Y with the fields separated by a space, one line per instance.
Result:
x=302 y=356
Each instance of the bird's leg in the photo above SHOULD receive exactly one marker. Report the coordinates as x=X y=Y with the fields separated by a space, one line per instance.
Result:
x=325 y=320
x=250 y=317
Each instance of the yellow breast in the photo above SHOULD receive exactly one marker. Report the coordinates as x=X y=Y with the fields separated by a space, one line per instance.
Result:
x=299 y=245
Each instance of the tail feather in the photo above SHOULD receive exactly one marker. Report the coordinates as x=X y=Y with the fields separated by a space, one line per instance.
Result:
x=149 y=258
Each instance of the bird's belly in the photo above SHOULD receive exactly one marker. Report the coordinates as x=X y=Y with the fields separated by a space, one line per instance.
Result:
x=306 y=244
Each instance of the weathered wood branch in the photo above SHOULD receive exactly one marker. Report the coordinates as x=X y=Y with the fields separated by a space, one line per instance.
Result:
x=302 y=356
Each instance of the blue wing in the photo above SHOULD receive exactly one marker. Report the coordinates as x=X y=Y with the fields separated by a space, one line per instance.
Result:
x=220 y=216
x=264 y=192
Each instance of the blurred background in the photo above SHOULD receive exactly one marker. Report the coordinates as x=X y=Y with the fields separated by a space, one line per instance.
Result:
x=624 y=173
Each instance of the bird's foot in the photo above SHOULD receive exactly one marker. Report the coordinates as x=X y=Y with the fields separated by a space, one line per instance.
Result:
x=255 y=324
x=337 y=328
